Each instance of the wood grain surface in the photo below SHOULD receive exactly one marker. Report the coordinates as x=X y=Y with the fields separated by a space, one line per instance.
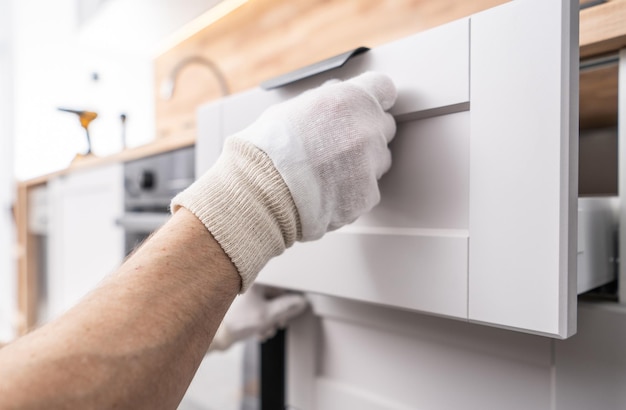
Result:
x=598 y=97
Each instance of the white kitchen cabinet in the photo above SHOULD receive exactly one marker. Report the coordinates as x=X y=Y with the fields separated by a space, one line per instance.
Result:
x=478 y=217
x=351 y=355
x=85 y=243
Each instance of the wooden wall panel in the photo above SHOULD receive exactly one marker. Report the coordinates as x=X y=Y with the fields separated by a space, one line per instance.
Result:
x=603 y=28
x=598 y=97
x=27 y=263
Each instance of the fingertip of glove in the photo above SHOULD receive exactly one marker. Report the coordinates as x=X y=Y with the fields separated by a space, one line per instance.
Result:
x=287 y=306
x=379 y=85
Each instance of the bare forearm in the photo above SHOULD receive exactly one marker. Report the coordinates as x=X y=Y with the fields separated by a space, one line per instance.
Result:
x=136 y=341
x=304 y=167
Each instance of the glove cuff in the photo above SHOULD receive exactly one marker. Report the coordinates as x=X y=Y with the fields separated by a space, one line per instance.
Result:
x=246 y=205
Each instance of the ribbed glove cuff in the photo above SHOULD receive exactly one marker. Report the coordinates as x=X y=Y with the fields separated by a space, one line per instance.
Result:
x=246 y=205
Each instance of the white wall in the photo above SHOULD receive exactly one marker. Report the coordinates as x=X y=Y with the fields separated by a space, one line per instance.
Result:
x=52 y=69
x=56 y=54
x=7 y=266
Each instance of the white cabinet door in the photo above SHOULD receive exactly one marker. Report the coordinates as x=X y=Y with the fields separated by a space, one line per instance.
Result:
x=85 y=244
x=524 y=166
x=478 y=214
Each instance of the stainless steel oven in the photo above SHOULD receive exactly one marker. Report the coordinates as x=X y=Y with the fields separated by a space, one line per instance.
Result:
x=150 y=183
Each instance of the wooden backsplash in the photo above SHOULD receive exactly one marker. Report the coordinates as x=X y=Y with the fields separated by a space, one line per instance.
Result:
x=266 y=38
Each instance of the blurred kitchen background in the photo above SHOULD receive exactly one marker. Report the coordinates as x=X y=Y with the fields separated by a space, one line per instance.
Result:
x=145 y=66
x=86 y=54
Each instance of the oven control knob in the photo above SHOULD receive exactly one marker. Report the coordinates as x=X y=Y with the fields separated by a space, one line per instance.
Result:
x=147 y=180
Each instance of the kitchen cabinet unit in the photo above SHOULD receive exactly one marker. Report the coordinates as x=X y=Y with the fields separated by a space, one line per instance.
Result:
x=85 y=244
x=478 y=217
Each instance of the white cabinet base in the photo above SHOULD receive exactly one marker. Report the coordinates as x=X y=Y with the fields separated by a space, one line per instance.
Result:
x=85 y=244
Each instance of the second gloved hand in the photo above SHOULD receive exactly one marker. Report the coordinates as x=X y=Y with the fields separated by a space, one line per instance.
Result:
x=257 y=314
x=305 y=167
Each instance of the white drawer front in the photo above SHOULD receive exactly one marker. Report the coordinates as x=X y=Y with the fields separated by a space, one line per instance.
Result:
x=413 y=245
x=428 y=184
x=411 y=250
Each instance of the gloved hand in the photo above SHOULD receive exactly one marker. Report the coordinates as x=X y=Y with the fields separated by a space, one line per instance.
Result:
x=256 y=314
x=305 y=167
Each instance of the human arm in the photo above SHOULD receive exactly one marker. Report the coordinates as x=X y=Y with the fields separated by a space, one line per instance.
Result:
x=135 y=341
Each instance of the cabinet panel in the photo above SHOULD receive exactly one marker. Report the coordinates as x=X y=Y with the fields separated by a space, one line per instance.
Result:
x=430 y=70
x=208 y=147
x=598 y=219
x=428 y=185
x=412 y=270
x=371 y=357
x=85 y=243
x=524 y=166
x=410 y=251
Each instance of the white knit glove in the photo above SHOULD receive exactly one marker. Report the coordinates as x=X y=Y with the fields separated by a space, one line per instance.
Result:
x=257 y=314
x=305 y=167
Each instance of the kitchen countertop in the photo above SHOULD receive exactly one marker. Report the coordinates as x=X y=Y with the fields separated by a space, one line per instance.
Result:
x=156 y=147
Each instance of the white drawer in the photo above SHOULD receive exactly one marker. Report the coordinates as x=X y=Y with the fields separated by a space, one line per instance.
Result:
x=432 y=77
